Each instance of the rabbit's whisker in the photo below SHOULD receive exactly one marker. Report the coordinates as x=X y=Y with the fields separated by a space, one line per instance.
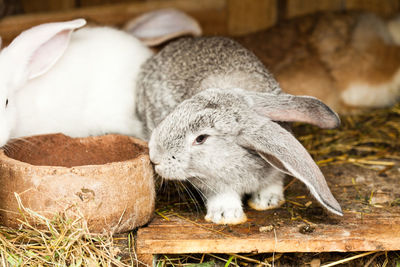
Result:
x=192 y=197
x=205 y=184
x=202 y=195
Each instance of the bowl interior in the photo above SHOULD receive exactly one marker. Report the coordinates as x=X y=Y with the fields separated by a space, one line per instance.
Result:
x=60 y=150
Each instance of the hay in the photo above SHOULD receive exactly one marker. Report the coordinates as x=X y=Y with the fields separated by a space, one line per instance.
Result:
x=371 y=258
x=368 y=139
x=60 y=241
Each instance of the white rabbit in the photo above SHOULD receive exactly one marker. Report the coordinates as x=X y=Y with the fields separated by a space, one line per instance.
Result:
x=213 y=112
x=80 y=84
x=54 y=79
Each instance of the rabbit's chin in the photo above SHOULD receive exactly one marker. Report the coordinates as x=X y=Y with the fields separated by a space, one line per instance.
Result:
x=168 y=175
x=174 y=178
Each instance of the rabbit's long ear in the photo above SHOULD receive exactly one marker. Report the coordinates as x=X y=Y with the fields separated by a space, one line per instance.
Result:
x=285 y=107
x=39 y=48
x=156 y=27
x=282 y=150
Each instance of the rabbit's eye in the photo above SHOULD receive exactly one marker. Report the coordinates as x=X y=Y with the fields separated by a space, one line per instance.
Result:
x=200 y=139
x=6 y=102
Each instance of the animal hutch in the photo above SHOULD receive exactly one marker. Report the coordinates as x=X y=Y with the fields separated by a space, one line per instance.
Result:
x=363 y=176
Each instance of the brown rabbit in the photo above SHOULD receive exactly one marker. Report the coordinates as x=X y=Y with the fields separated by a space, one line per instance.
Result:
x=350 y=61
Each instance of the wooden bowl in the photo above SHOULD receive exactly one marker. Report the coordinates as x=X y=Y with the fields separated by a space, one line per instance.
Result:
x=108 y=179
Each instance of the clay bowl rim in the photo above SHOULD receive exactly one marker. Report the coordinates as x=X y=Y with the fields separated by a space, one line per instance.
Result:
x=4 y=159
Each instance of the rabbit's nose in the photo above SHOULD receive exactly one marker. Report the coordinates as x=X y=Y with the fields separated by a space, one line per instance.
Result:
x=155 y=162
x=158 y=169
x=153 y=158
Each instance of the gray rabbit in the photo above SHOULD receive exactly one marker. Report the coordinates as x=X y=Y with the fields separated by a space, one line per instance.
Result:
x=214 y=116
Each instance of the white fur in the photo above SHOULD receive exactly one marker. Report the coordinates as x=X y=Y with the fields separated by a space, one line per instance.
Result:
x=365 y=95
x=88 y=91
x=156 y=26
x=164 y=163
x=268 y=197
x=225 y=208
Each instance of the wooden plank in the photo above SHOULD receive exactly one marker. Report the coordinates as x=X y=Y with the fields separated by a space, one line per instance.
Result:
x=145 y=259
x=384 y=8
x=30 y=6
x=211 y=14
x=296 y=8
x=371 y=221
x=8 y=8
x=246 y=16
x=178 y=236
x=84 y=3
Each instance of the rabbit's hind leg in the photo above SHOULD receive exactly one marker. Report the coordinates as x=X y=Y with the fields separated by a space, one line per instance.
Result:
x=268 y=196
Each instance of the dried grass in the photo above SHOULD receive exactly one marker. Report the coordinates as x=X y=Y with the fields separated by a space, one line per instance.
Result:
x=368 y=139
x=60 y=241
x=366 y=259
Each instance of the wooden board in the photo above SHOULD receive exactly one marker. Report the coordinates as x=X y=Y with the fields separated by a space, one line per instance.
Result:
x=30 y=6
x=371 y=221
x=216 y=17
x=354 y=232
x=244 y=17
x=296 y=8
x=211 y=14
x=385 y=8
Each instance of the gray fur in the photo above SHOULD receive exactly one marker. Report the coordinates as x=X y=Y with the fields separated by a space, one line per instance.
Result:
x=188 y=65
x=215 y=87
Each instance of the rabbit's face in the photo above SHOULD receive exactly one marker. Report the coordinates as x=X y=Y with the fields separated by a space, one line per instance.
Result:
x=169 y=163
x=7 y=117
x=195 y=140
x=203 y=153
x=11 y=80
x=30 y=55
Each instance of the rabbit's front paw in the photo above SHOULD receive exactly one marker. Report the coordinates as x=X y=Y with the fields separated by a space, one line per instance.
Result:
x=267 y=198
x=225 y=209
